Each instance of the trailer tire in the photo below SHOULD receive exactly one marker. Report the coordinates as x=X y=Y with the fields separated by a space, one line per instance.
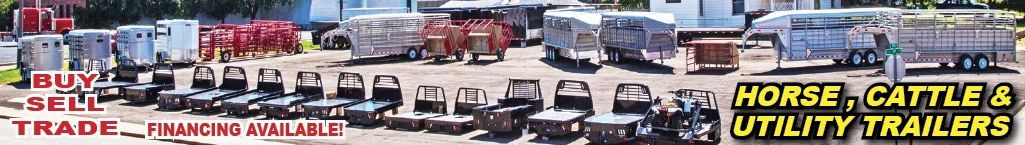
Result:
x=614 y=56
x=501 y=55
x=871 y=58
x=424 y=54
x=411 y=54
x=838 y=61
x=225 y=56
x=982 y=62
x=474 y=57
x=298 y=49
x=855 y=59
x=459 y=55
x=549 y=53
x=965 y=63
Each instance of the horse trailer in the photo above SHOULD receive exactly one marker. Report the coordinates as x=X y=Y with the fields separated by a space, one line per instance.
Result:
x=178 y=41
x=136 y=43
x=39 y=53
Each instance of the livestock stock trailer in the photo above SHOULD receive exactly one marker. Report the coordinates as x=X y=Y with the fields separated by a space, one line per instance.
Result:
x=572 y=35
x=387 y=34
x=859 y=36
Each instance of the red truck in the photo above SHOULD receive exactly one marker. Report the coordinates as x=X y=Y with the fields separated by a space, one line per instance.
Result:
x=40 y=21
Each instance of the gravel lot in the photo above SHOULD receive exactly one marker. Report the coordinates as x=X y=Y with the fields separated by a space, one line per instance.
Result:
x=758 y=65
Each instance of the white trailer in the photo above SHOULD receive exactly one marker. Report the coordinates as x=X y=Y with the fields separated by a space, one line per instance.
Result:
x=644 y=36
x=89 y=50
x=177 y=41
x=136 y=43
x=819 y=34
x=386 y=34
x=39 y=53
x=970 y=38
x=572 y=35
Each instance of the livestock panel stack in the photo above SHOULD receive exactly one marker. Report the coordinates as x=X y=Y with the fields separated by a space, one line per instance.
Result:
x=259 y=37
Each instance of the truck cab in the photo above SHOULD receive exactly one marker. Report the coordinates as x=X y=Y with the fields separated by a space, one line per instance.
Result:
x=41 y=21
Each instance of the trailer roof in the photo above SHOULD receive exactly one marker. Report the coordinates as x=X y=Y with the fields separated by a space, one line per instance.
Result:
x=84 y=31
x=177 y=21
x=398 y=15
x=136 y=27
x=579 y=18
x=821 y=13
x=651 y=19
x=40 y=37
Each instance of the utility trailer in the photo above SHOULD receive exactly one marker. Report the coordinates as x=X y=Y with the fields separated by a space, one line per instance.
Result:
x=461 y=118
x=163 y=79
x=350 y=91
x=234 y=81
x=39 y=53
x=386 y=34
x=630 y=103
x=801 y=35
x=970 y=38
x=202 y=81
x=573 y=104
x=443 y=39
x=136 y=43
x=522 y=99
x=269 y=84
x=691 y=117
x=430 y=102
x=486 y=37
x=387 y=95
x=572 y=35
x=89 y=47
x=644 y=36
x=308 y=85
x=177 y=41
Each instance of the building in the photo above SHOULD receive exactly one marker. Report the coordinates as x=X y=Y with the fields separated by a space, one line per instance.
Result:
x=728 y=13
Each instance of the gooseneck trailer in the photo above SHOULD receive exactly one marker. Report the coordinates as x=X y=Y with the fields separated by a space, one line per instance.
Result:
x=800 y=35
x=644 y=36
x=385 y=34
x=970 y=38
x=572 y=35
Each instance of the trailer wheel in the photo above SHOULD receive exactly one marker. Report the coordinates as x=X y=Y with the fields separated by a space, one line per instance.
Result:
x=548 y=54
x=501 y=55
x=298 y=49
x=614 y=56
x=982 y=62
x=965 y=63
x=459 y=55
x=411 y=54
x=424 y=54
x=225 y=56
x=855 y=59
x=474 y=57
x=871 y=58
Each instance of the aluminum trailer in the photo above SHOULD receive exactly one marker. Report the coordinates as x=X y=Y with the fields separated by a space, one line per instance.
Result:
x=801 y=35
x=572 y=35
x=387 y=95
x=386 y=34
x=163 y=79
x=970 y=38
x=691 y=117
x=269 y=84
x=630 y=103
x=522 y=99
x=350 y=90
x=89 y=46
x=430 y=102
x=39 y=53
x=203 y=80
x=234 y=81
x=177 y=41
x=136 y=43
x=573 y=104
x=308 y=85
x=644 y=36
x=461 y=118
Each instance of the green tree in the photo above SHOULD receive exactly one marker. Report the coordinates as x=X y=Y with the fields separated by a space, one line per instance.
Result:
x=219 y=9
x=252 y=7
x=157 y=9
x=7 y=8
x=187 y=9
x=107 y=13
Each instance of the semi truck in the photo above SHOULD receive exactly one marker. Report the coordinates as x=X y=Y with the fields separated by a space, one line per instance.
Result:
x=33 y=21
